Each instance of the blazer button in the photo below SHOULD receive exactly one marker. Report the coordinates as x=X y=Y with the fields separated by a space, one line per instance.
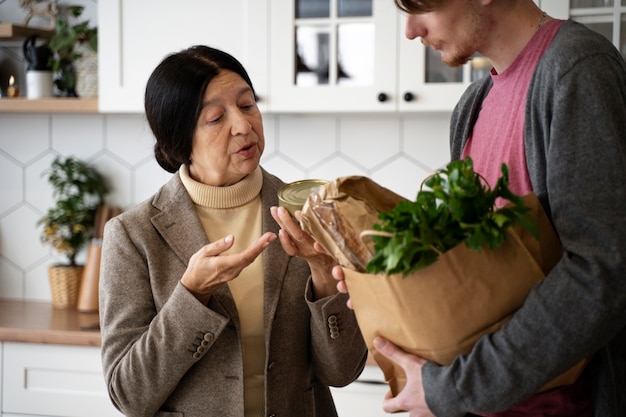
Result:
x=197 y=355
x=332 y=326
x=208 y=337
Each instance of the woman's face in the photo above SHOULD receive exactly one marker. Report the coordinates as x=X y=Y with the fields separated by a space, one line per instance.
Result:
x=228 y=140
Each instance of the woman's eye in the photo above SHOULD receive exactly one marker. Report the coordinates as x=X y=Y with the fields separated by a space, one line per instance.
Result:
x=214 y=119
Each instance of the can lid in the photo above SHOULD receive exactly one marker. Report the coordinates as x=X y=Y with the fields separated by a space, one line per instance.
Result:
x=292 y=196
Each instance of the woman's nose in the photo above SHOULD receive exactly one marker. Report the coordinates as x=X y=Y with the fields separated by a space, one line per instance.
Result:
x=240 y=124
x=414 y=28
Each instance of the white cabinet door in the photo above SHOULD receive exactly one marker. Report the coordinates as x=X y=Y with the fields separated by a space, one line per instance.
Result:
x=349 y=61
x=54 y=380
x=135 y=35
x=425 y=83
x=403 y=78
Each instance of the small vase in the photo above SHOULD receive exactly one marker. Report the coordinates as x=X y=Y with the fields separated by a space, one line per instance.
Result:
x=86 y=68
x=64 y=284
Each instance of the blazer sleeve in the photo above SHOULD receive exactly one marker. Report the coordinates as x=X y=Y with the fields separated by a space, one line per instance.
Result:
x=336 y=340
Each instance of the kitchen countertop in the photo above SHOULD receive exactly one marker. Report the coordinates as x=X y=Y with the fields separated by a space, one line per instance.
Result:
x=39 y=322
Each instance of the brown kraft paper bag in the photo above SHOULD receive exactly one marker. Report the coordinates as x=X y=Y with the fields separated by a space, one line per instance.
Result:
x=438 y=312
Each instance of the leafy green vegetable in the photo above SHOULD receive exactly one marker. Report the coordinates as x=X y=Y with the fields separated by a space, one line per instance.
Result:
x=457 y=207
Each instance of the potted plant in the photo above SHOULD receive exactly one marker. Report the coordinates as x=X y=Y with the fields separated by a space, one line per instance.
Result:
x=67 y=226
x=66 y=44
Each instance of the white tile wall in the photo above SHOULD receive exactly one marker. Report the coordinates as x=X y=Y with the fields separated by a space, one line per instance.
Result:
x=397 y=151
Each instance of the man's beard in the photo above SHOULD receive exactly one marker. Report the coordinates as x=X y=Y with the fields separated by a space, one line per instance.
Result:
x=456 y=60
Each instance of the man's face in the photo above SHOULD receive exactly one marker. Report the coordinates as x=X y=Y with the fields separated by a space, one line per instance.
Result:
x=456 y=29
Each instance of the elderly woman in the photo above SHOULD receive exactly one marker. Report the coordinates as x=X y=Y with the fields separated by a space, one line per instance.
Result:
x=202 y=314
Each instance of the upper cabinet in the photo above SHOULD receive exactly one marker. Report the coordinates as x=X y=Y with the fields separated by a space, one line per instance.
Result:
x=352 y=56
x=333 y=55
x=305 y=55
x=135 y=35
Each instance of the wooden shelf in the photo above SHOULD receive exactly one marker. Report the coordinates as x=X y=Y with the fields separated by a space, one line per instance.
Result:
x=13 y=31
x=49 y=105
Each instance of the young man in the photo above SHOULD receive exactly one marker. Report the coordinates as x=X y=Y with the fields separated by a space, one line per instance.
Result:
x=553 y=109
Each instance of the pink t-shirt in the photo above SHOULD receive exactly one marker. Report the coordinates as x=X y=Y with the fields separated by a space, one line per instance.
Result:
x=498 y=137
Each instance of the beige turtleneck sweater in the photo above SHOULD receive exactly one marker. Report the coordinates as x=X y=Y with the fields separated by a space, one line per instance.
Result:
x=236 y=210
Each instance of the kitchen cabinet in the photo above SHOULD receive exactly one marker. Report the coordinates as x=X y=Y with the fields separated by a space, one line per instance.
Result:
x=352 y=56
x=53 y=380
x=135 y=35
x=329 y=59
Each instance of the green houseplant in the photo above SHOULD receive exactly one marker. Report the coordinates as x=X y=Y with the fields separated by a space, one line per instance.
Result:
x=67 y=226
x=64 y=44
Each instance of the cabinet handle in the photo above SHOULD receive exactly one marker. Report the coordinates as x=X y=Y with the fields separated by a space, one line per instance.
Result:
x=408 y=96
x=382 y=97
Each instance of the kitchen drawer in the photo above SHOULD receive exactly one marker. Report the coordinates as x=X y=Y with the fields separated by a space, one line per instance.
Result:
x=54 y=380
x=364 y=397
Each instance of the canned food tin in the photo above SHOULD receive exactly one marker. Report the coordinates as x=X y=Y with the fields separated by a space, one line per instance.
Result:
x=292 y=196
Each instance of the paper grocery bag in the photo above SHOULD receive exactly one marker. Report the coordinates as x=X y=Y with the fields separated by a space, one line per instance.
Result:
x=339 y=211
x=439 y=312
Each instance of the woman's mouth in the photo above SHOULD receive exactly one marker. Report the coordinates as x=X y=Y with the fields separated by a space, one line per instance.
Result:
x=247 y=151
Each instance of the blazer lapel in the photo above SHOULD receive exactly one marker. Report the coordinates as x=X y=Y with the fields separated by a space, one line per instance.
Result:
x=275 y=260
x=179 y=225
x=177 y=221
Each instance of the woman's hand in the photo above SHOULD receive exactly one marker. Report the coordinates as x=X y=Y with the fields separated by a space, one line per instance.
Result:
x=296 y=242
x=208 y=269
x=342 y=287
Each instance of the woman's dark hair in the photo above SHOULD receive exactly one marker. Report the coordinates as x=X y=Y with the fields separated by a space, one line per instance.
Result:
x=173 y=99
x=417 y=6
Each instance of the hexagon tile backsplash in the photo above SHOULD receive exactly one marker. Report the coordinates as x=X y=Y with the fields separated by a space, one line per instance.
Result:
x=397 y=151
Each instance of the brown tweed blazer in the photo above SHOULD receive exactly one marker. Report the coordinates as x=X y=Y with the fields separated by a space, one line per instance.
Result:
x=166 y=354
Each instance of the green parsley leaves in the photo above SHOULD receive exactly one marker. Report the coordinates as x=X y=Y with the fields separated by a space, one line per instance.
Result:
x=457 y=207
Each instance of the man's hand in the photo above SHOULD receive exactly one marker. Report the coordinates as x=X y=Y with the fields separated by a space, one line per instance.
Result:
x=412 y=397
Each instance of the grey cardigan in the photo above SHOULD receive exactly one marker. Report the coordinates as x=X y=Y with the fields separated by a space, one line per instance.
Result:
x=575 y=144
x=166 y=354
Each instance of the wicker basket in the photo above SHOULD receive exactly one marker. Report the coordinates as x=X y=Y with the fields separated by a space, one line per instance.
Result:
x=64 y=285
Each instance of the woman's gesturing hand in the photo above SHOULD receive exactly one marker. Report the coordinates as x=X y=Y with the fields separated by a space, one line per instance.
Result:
x=208 y=268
